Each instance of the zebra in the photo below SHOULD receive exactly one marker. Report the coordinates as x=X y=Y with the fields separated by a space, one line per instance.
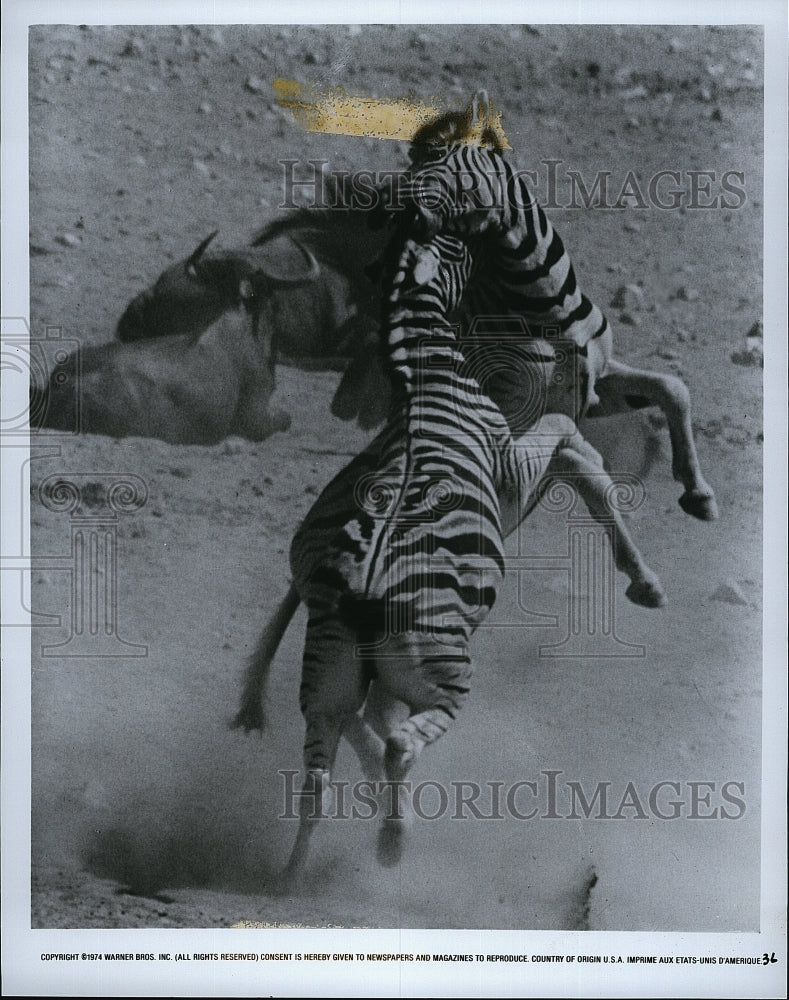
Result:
x=400 y=558
x=461 y=183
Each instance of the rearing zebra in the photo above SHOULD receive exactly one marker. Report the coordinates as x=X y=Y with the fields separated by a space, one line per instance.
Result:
x=401 y=556
x=461 y=183
x=403 y=550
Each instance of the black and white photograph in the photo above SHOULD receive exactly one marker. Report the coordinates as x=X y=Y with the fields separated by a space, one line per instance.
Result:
x=394 y=487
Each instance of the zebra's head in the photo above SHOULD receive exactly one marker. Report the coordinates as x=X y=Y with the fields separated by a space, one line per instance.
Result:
x=478 y=125
x=457 y=183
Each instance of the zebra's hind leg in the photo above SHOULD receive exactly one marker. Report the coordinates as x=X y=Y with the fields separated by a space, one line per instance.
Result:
x=434 y=681
x=315 y=802
x=368 y=746
x=580 y=465
x=316 y=799
x=622 y=388
x=333 y=687
x=367 y=733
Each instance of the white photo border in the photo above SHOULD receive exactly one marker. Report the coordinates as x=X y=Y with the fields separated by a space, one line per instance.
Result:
x=23 y=971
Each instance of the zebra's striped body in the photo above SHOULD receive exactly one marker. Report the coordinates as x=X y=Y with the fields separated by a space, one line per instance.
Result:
x=461 y=183
x=412 y=526
x=524 y=270
x=403 y=551
x=404 y=547
x=529 y=273
x=400 y=558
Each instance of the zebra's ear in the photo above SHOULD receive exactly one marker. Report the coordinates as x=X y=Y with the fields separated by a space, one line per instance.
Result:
x=426 y=266
x=480 y=109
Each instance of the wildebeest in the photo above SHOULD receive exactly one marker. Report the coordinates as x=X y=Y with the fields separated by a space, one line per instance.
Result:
x=330 y=323
x=185 y=389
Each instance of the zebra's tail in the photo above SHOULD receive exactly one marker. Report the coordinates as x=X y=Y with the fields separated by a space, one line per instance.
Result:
x=250 y=714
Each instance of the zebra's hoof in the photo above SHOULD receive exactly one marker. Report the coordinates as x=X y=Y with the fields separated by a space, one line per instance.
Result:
x=398 y=757
x=700 y=505
x=249 y=717
x=390 y=844
x=647 y=593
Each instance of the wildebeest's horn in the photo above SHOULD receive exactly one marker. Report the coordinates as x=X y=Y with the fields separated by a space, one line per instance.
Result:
x=312 y=272
x=201 y=248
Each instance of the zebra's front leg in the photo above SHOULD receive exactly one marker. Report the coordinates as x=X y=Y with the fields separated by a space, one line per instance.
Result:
x=622 y=388
x=555 y=449
x=434 y=680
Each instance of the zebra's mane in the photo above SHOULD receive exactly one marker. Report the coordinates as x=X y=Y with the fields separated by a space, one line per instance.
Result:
x=452 y=129
x=474 y=126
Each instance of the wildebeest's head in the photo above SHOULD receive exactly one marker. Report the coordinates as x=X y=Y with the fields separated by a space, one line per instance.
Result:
x=189 y=296
x=330 y=323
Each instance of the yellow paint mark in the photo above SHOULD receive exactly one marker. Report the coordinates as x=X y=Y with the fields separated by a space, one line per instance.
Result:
x=336 y=112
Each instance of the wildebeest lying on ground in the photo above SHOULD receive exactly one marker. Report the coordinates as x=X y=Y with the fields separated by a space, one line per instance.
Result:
x=330 y=323
x=191 y=388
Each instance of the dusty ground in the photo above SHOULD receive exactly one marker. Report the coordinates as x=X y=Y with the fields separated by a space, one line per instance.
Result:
x=142 y=141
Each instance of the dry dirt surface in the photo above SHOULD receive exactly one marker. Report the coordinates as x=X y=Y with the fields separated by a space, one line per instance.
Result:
x=148 y=811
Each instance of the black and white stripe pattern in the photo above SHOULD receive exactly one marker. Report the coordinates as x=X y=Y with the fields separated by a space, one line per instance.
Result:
x=424 y=494
x=530 y=273
x=400 y=558
x=462 y=184
x=467 y=188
